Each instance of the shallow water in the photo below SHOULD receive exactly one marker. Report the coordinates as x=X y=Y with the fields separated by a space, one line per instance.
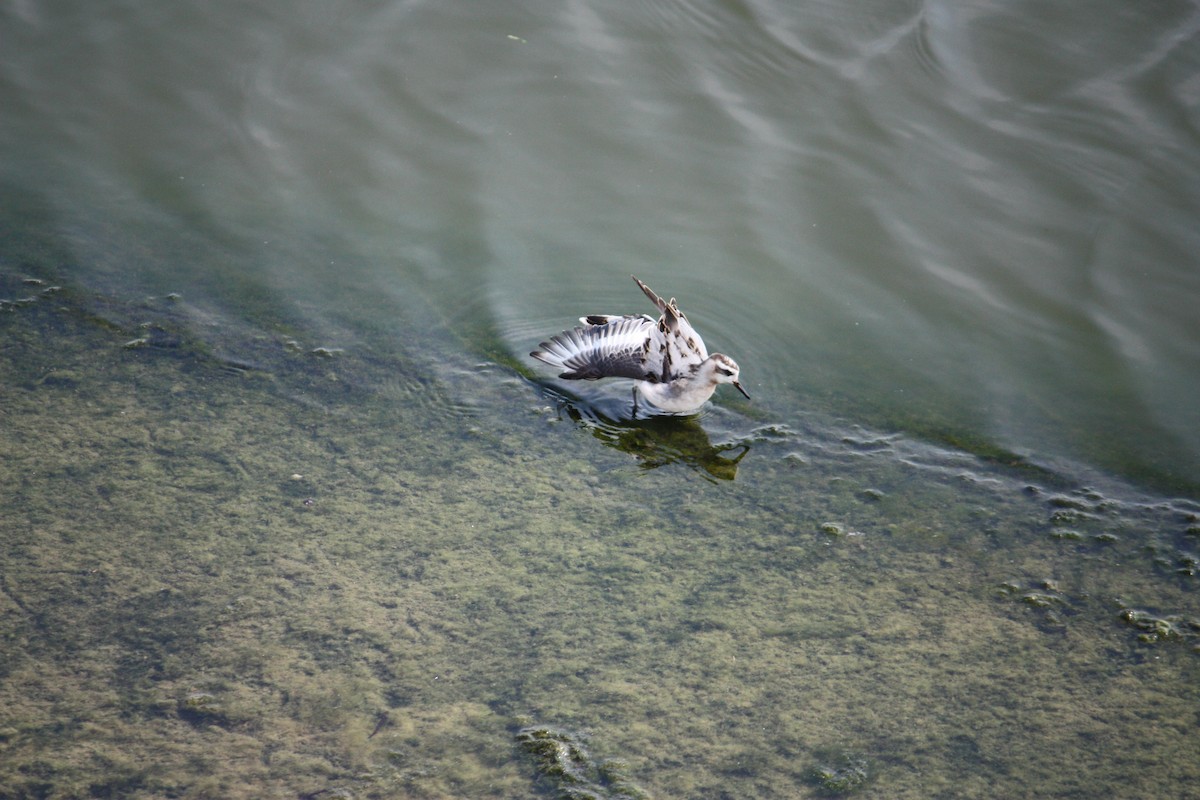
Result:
x=289 y=511
x=232 y=580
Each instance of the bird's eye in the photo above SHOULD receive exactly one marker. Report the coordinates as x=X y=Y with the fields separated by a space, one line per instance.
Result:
x=724 y=372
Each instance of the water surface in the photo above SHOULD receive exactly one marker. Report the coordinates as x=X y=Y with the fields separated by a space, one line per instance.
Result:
x=291 y=511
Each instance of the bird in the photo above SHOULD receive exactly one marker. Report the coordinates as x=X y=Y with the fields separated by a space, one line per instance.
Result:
x=672 y=370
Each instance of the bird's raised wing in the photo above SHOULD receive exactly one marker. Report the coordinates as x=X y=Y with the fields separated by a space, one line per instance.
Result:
x=681 y=350
x=618 y=347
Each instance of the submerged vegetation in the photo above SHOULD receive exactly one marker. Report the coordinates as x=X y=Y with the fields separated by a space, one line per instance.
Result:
x=262 y=565
x=840 y=773
x=564 y=761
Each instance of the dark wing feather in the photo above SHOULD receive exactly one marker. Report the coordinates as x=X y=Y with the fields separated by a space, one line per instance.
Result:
x=616 y=349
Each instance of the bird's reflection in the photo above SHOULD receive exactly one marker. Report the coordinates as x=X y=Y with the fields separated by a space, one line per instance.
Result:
x=656 y=441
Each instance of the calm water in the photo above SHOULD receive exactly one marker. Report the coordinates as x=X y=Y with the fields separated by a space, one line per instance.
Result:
x=953 y=248
x=908 y=214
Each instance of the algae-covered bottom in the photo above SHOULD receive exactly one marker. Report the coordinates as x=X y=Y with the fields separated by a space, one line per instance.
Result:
x=300 y=579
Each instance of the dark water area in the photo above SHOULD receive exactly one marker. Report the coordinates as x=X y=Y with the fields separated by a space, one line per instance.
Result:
x=289 y=512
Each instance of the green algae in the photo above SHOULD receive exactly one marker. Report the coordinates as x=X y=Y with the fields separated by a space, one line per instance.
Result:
x=1165 y=628
x=840 y=773
x=295 y=578
x=564 y=761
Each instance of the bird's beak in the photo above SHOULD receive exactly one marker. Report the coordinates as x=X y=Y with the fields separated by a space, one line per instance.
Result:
x=740 y=389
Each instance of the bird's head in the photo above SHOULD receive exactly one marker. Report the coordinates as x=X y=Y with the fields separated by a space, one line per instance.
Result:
x=725 y=370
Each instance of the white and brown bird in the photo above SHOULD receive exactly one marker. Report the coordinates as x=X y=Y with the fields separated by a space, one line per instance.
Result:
x=667 y=358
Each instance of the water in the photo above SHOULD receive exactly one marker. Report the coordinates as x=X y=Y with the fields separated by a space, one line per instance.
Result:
x=953 y=250
x=918 y=216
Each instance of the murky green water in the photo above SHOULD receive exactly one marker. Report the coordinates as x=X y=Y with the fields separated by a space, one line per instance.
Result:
x=287 y=511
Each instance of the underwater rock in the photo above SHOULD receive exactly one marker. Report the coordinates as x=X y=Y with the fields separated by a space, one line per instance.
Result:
x=1067 y=516
x=202 y=708
x=1040 y=599
x=1155 y=629
x=1062 y=501
x=840 y=774
x=1066 y=534
x=1052 y=605
x=561 y=758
